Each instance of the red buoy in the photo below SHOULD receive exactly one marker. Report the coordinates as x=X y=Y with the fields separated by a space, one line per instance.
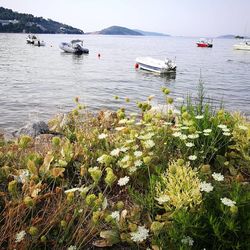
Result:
x=99 y=55
x=136 y=66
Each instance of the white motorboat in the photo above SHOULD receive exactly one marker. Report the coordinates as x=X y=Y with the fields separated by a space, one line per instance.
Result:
x=31 y=39
x=242 y=46
x=75 y=46
x=155 y=65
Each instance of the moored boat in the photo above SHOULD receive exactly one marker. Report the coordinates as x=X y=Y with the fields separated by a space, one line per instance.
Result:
x=31 y=39
x=242 y=46
x=75 y=46
x=155 y=65
x=204 y=43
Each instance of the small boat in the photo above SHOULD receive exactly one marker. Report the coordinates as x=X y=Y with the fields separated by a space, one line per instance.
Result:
x=242 y=46
x=204 y=43
x=31 y=39
x=75 y=46
x=155 y=65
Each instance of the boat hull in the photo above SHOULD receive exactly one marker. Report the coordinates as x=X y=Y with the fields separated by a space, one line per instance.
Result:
x=69 y=49
x=156 y=66
x=242 y=47
x=204 y=45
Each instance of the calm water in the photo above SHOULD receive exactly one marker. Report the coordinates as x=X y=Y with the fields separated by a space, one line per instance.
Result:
x=36 y=83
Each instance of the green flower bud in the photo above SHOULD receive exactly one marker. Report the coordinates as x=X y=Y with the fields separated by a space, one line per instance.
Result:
x=28 y=201
x=120 y=205
x=234 y=210
x=24 y=141
x=156 y=227
x=170 y=100
x=146 y=159
x=63 y=224
x=12 y=187
x=110 y=177
x=43 y=239
x=70 y=196
x=180 y=162
x=95 y=174
x=56 y=141
x=205 y=169
x=96 y=216
x=33 y=231
x=90 y=199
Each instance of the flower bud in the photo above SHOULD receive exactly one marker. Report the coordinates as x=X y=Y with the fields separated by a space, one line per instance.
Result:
x=33 y=231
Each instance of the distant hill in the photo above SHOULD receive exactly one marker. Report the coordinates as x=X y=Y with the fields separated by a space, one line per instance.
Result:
x=149 y=33
x=14 y=22
x=226 y=36
x=118 y=30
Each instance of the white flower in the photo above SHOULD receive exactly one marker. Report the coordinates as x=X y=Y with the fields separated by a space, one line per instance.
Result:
x=226 y=129
x=149 y=144
x=102 y=136
x=193 y=136
x=123 y=181
x=129 y=141
x=228 y=202
x=20 y=236
x=192 y=157
x=243 y=127
x=101 y=159
x=138 y=163
x=206 y=134
x=125 y=158
x=183 y=137
x=208 y=130
x=189 y=144
x=23 y=176
x=115 y=152
x=187 y=240
x=140 y=235
x=206 y=187
x=177 y=134
x=72 y=247
x=222 y=126
x=226 y=133
x=168 y=123
x=137 y=154
x=163 y=199
x=124 y=149
x=80 y=211
x=218 y=176
x=184 y=127
x=116 y=215
x=199 y=117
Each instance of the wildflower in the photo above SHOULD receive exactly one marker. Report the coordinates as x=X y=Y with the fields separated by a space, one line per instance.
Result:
x=123 y=121
x=207 y=131
x=23 y=176
x=119 y=128
x=189 y=144
x=192 y=157
x=168 y=123
x=206 y=187
x=242 y=127
x=226 y=129
x=137 y=153
x=138 y=163
x=228 y=202
x=124 y=149
x=20 y=236
x=193 y=136
x=101 y=159
x=116 y=215
x=72 y=247
x=177 y=134
x=222 y=126
x=218 y=176
x=184 y=127
x=149 y=144
x=125 y=158
x=199 y=117
x=187 y=240
x=140 y=235
x=183 y=137
x=226 y=133
x=123 y=181
x=206 y=134
x=129 y=141
x=102 y=136
x=115 y=152
x=163 y=199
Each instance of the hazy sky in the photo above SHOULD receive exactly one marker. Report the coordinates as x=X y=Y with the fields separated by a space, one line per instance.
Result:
x=175 y=17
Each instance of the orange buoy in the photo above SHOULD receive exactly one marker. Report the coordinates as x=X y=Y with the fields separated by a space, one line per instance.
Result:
x=136 y=66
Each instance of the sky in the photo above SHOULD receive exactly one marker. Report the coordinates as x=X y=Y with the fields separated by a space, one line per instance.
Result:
x=174 y=17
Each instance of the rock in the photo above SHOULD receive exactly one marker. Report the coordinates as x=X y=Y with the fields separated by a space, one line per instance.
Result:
x=33 y=130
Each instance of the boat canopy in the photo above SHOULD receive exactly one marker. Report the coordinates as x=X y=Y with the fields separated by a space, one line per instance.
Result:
x=77 y=41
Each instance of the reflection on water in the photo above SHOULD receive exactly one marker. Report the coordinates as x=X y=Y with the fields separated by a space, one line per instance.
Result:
x=38 y=82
